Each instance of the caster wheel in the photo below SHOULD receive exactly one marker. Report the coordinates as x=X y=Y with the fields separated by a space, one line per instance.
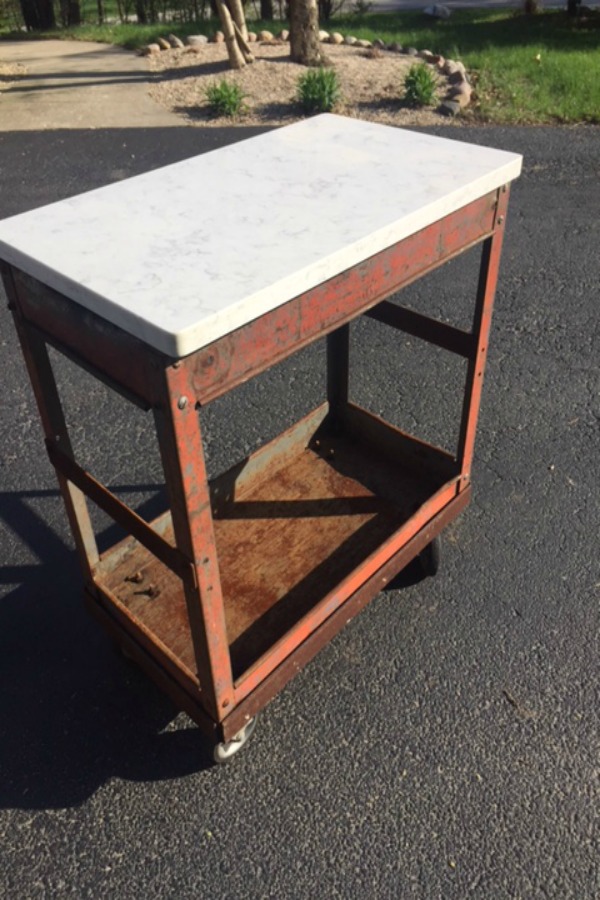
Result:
x=429 y=558
x=223 y=752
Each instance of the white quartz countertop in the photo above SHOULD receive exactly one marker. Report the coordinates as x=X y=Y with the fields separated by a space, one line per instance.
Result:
x=186 y=254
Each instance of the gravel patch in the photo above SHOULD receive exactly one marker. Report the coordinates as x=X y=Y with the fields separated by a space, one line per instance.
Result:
x=372 y=83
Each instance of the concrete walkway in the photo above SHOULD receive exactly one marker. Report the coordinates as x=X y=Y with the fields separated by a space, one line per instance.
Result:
x=71 y=84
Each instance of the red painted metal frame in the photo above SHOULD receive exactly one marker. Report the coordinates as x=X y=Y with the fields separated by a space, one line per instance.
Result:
x=247 y=351
x=482 y=320
x=174 y=389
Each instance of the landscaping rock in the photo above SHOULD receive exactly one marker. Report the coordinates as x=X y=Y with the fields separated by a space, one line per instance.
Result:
x=461 y=93
x=458 y=77
x=379 y=44
x=411 y=51
x=336 y=38
x=175 y=42
x=350 y=40
x=425 y=55
x=266 y=36
x=323 y=36
x=196 y=40
x=449 y=108
x=395 y=47
x=283 y=35
x=218 y=37
x=149 y=49
x=163 y=44
x=452 y=66
x=252 y=37
x=365 y=45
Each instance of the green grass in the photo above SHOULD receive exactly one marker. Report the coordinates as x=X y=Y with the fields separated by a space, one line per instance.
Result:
x=498 y=47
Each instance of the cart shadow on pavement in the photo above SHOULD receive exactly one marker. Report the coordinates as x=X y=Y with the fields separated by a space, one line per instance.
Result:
x=73 y=712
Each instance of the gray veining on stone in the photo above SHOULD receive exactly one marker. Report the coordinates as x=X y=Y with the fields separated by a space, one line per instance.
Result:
x=185 y=254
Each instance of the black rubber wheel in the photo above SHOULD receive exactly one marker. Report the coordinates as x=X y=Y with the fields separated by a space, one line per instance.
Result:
x=225 y=751
x=429 y=558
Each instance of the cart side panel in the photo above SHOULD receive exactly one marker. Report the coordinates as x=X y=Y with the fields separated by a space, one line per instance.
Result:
x=247 y=351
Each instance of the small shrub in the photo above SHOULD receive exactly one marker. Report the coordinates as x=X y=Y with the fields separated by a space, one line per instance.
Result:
x=226 y=98
x=318 y=91
x=419 y=86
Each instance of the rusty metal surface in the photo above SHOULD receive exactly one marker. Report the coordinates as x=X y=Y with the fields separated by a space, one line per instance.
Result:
x=272 y=683
x=431 y=330
x=253 y=348
x=482 y=320
x=183 y=693
x=125 y=363
x=182 y=454
x=118 y=512
x=53 y=422
x=284 y=543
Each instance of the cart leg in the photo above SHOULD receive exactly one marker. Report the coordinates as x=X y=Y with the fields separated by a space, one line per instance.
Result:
x=338 y=360
x=52 y=417
x=488 y=277
x=180 y=443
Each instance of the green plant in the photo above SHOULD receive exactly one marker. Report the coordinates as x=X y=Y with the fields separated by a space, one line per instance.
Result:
x=318 y=90
x=419 y=86
x=226 y=98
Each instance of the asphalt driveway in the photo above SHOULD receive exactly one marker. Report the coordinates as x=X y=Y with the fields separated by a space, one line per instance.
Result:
x=447 y=743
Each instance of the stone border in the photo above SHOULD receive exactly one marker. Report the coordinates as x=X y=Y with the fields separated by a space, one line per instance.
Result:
x=458 y=96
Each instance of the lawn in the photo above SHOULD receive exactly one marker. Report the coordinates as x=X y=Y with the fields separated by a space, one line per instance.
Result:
x=526 y=69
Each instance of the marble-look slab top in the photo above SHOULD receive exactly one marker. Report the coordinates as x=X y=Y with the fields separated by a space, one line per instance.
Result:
x=185 y=254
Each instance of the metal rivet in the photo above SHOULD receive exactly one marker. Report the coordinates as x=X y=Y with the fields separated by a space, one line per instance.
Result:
x=182 y=402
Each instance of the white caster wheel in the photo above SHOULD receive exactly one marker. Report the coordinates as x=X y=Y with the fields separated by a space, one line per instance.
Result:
x=223 y=752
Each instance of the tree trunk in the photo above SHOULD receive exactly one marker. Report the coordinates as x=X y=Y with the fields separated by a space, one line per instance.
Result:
x=266 y=10
x=304 y=33
x=70 y=13
x=38 y=14
x=142 y=15
x=243 y=44
x=236 y=57
x=237 y=14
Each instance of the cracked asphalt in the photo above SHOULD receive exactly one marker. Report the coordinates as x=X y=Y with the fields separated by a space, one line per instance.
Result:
x=447 y=743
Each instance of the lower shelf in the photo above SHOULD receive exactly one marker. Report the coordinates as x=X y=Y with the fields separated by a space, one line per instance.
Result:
x=291 y=523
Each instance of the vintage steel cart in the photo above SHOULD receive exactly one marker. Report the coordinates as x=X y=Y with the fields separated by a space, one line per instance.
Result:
x=174 y=287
